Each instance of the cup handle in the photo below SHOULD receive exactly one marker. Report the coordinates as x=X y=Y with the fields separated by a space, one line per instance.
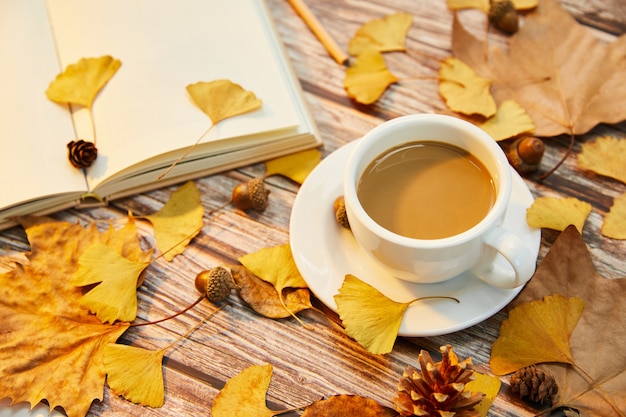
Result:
x=519 y=256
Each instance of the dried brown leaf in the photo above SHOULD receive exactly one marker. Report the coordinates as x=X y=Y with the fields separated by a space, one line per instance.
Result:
x=348 y=406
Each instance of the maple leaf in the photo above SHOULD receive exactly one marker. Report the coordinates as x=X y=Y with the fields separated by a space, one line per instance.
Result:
x=51 y=347
x=244 y=394
x=367 y=78
x=463 y=90
x=221 y=99
x=348 y=406
x=614 y=225
x=567 y=80
x=384 y=35
x=296 y=166
x=558 y=213
x=509 y=121
x=179 y=221
x=595 y=386
x=81 y=82
x=605 y=156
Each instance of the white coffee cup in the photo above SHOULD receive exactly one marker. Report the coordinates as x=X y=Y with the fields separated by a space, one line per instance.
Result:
x=436 y=260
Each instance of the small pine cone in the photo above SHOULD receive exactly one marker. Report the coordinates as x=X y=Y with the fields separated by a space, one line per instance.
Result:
x=439 y=389
x=215 y=283
x=535 y=384
x=82 y=153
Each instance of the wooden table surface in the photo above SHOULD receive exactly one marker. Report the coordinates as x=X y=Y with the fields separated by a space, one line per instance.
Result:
x=320 y=361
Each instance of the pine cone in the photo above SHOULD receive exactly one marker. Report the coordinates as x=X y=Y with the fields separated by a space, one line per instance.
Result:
x=439 y=389
x=535 y=384
x=82 y=153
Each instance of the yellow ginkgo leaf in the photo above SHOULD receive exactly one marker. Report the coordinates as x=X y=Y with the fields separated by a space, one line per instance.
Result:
x=384 y=35
x=244 y=394
x=178 y=221
x=558 y=213
x=370 y=317
x=276 y=266
x=135 y=373
x=525 y=4
x=296 y=166
x=605 y=156
x=115 y=296
x=368 y=77
x=81 y=82
x=463 y=90
x=536 y=332
x=510 y=120
x=488 y=385
x=614 y=225
x=221 y=99
x=484 y=4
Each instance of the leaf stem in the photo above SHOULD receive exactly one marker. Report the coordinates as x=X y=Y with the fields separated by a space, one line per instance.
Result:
x=191 y=148
x=186 y=309
x=193 y=329
x=93 y=125
x=569 y=151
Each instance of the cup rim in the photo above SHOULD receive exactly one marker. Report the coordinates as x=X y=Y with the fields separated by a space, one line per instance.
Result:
x=495 y=213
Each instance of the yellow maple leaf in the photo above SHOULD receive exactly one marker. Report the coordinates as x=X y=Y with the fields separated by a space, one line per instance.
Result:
x=368 y=77
x=558 y=213
x=81 y=82
x=614 y=225
x=605 y=156
x=179 y=221
x=221 y=99
x=536 y=332
x=484 y=4
x=135 y=373
x=276 y=266
x=115 y=296
x=463 y=90
x=488 y=385
x=509 y=121
x=244 y=394
x=295 y=166
x=384 y=35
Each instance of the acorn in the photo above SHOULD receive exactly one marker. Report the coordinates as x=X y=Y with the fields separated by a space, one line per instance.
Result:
x=215 y=283
x=339 y=208
x=502 y=15
x=525 y=154
x=251 y=194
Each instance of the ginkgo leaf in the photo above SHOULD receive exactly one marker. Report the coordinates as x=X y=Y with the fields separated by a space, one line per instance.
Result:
x=368 y=77
x=558 y=213
x=179 y=221
x=221 y=99
x=135 y=373
x=536 y=332
x=276 y=266
x=484 y=4
x=348 y=406
x=370 y=317
x=115 y=296
x=244 y=394
x=605 y=156
x=614 y=225
x=296 y=166
x=463 y=90
x=488 y=385
x=509 y=121
x=384 y=35
x=81 y=82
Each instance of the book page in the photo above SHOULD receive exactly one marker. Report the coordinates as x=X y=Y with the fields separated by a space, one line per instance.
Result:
x=34 y=131
x=163 y=45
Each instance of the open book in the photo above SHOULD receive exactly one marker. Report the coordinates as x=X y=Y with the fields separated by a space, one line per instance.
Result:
x=144 y=117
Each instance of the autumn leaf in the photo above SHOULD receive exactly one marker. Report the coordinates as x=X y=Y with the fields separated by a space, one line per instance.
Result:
x=605 y=156
x=509 y=121
x=536 y=332
x=560 y=72
x=295 y=166
x=179 y=221
x=614 y=225
x=244 y=394
x=221 y=99
x=51 y=347
x=488 y=385
x=81 y=82
x=263 y=298
x=557 y=213
x=484 y=4
x=595 y=386
x=135 y=373
x=276 y=266
x=368 y=77
x=463 y=90
x=348 y=406
x=384 y=35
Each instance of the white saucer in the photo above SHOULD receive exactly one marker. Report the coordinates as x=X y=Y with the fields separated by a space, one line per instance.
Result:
x=325 y=252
